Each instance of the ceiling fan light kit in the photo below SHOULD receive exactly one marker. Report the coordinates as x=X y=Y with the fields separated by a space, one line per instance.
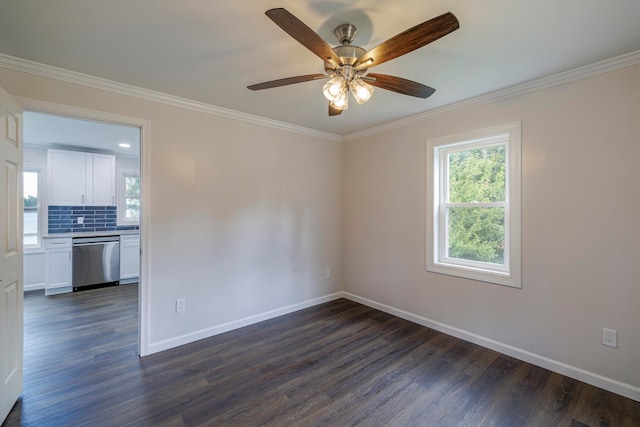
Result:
x=332 y=88
x=335 y=90
x=361 y=91
x=340 y=102
x=347 y=66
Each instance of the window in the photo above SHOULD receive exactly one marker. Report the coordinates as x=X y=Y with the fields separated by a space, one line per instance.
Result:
x=474 y=214
x=32 y=212
x=129 y=197
x=132 y=197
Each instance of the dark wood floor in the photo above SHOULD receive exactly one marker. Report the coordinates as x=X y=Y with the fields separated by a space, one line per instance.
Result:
x=336 y=364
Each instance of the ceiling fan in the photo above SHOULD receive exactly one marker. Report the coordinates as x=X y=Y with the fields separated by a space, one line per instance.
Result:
x=347 y=66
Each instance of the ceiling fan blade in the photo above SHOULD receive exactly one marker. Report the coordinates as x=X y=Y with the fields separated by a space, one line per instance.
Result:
x=411 y=39
x=287 y=81
x=400 y=85
x=302 y=33
x=334 y=111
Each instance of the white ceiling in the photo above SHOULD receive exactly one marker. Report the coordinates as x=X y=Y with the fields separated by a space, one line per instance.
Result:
x=210 y=51
x=53 y=131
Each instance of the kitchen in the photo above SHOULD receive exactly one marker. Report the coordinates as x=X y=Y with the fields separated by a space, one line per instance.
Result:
x=82 y=203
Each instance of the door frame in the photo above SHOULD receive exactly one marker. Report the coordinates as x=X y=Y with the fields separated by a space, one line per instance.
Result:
x=145 y=175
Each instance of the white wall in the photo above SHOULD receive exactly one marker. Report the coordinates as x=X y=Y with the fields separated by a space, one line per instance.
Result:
x=580 y=235
x=35 y=155
x=244 y=219
x=126 y=162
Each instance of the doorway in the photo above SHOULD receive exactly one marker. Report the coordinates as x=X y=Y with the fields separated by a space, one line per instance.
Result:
x=93 y=134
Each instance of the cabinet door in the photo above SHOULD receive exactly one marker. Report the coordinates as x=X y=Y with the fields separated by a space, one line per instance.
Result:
x=57 y=261
x=129 y=256
x=104 y=180
x=67 y=171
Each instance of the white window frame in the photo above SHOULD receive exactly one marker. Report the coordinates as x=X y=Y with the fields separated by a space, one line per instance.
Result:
x=122 y=196
x=29 y=167
x=508 y=274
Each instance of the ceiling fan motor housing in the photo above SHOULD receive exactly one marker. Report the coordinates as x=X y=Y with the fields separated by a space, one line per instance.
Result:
x=348 y=55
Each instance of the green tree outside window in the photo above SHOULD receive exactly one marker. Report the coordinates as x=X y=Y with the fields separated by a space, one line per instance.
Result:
x=132 y=199
x=477 y=176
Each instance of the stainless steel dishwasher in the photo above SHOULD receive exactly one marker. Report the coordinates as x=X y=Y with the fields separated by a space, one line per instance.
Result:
x=96 y=262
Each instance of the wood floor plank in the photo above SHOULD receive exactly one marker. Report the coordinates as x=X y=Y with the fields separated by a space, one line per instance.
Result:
x=557 y=403
x=337 y=364
x=518 y=396
x=438 y=398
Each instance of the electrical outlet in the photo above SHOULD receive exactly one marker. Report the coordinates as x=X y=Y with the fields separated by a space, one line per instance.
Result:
x=181 y=305
x=80 y=220
x=327 y=274
x=610 y=337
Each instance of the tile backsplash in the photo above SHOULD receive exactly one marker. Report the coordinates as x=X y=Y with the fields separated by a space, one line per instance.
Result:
x=64 y=219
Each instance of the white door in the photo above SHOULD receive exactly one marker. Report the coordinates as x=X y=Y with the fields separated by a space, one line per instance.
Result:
x=11 y=285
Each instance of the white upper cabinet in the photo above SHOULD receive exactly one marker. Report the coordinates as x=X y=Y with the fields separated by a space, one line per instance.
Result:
x=104 y=180
x=76 y=178
x=66 y=177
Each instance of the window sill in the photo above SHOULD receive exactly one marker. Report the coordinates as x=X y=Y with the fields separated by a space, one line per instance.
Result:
x=497 y=278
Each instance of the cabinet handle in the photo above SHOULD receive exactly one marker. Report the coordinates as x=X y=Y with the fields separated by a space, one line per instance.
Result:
x=83 y=199
x=69 y=255
x=113 y=200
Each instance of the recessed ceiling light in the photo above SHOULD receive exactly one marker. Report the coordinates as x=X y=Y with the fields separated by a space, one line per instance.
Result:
x=124 y=145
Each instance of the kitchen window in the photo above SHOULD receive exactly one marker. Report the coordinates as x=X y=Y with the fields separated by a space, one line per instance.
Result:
x=474 y=205
x=32 y=220
x=129 y=197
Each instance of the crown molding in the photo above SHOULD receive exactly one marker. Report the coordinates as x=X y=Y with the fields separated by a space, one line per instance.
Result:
x=49 y=71
x=600 y=67
x=35 y=68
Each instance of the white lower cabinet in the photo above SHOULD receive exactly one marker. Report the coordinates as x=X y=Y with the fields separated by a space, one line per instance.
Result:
x=129 y=258
x=57 y=263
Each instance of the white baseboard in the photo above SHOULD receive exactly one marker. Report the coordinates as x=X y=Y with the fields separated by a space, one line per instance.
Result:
x=33 y=287
x=562 y=368
x=229 y=326
x=615 y=386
